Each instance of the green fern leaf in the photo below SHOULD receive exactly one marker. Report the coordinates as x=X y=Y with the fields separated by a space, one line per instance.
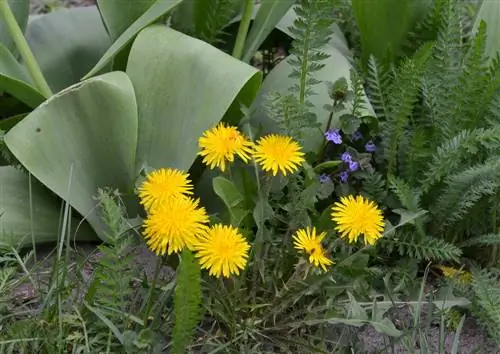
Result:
x=413 y=245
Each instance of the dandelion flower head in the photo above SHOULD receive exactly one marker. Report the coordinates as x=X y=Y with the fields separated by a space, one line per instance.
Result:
x=220 y=144
x=222 y=250
x=163 y=184
x=174 y=224
x=460 y=275
x=356 y=216
x=308 y=241
x=276 y=153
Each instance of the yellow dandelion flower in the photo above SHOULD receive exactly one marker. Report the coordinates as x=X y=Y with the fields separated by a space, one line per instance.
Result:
x=174 y=224
x=220 y=144
x=357 y=216
x=308 y=241
x=278 y=153
x=222 y=250
x=460 y=275
x=163 y=184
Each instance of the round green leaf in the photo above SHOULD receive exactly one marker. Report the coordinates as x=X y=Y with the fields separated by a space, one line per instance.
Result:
x=25 y=213
x=15 y=81
x=183 y=87
x=84 y=137
x=67 y=44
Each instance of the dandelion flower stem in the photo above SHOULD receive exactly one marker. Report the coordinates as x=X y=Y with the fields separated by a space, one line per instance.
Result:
x=149 y=305
x=24 y=49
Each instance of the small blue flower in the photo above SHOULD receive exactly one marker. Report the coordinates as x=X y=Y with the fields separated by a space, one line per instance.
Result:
x=353 y=165
x=346 y=157
x=334 y=136
x=324 y=178
x=370 y=146
x=344 y=175
x=357 y=135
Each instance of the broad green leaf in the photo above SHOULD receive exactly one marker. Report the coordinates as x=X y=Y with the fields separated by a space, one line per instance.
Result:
x=7 y=123
x=20 y=9
x=67 y=43
x=232 y=198
x=86 y=134
x=489 y=12
x=25 y=212
x=118 y=15
x=337 y=66
x=157 y=10
x=15 y=81
x=384 y=26
x=385 y=326
x=227 y=191
x=268 y=15
x=188 y=91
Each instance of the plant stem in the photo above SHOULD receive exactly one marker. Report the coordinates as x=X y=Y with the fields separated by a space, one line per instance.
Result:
x=243 y=29
x=24 y=49
x=159 y=262
x=494 y=250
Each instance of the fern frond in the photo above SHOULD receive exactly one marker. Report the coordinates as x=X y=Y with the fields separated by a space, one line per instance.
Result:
x=377 y=80
x=413 y=245
x=358 y=102
x=110 y=288
x=187 y=301
x=408 y=196
x=486 y=288
x=212 y=17
x=312 y=30
x=463 y=190
x=374 y=187
x=403 y=96
x=483 y=240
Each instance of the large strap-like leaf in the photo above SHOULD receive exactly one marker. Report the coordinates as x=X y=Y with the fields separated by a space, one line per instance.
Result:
x=15 y=81
x=118 y=15
x=20 y=9
x=489 y=12
x=157 y=10
x=86 y=136
x=67 y=44
x=35 y=212
x=183 y=87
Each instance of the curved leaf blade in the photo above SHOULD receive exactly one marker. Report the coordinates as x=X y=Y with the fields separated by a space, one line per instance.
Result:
x=15 y=211
x=157 y=10
x=20 y=9
x=87 y=134
x=268 y=16
x=188 y=91
x=489 y=12
x=118 y=15
x=67 y=43
x=15 y=81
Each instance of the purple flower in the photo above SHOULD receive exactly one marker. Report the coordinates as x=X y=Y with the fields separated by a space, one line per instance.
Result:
x=324 y=178
x=346 y=157
x=334 y=136
x=370 y=146
x=353 y=165
x=344 y=175
x=357 y=135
